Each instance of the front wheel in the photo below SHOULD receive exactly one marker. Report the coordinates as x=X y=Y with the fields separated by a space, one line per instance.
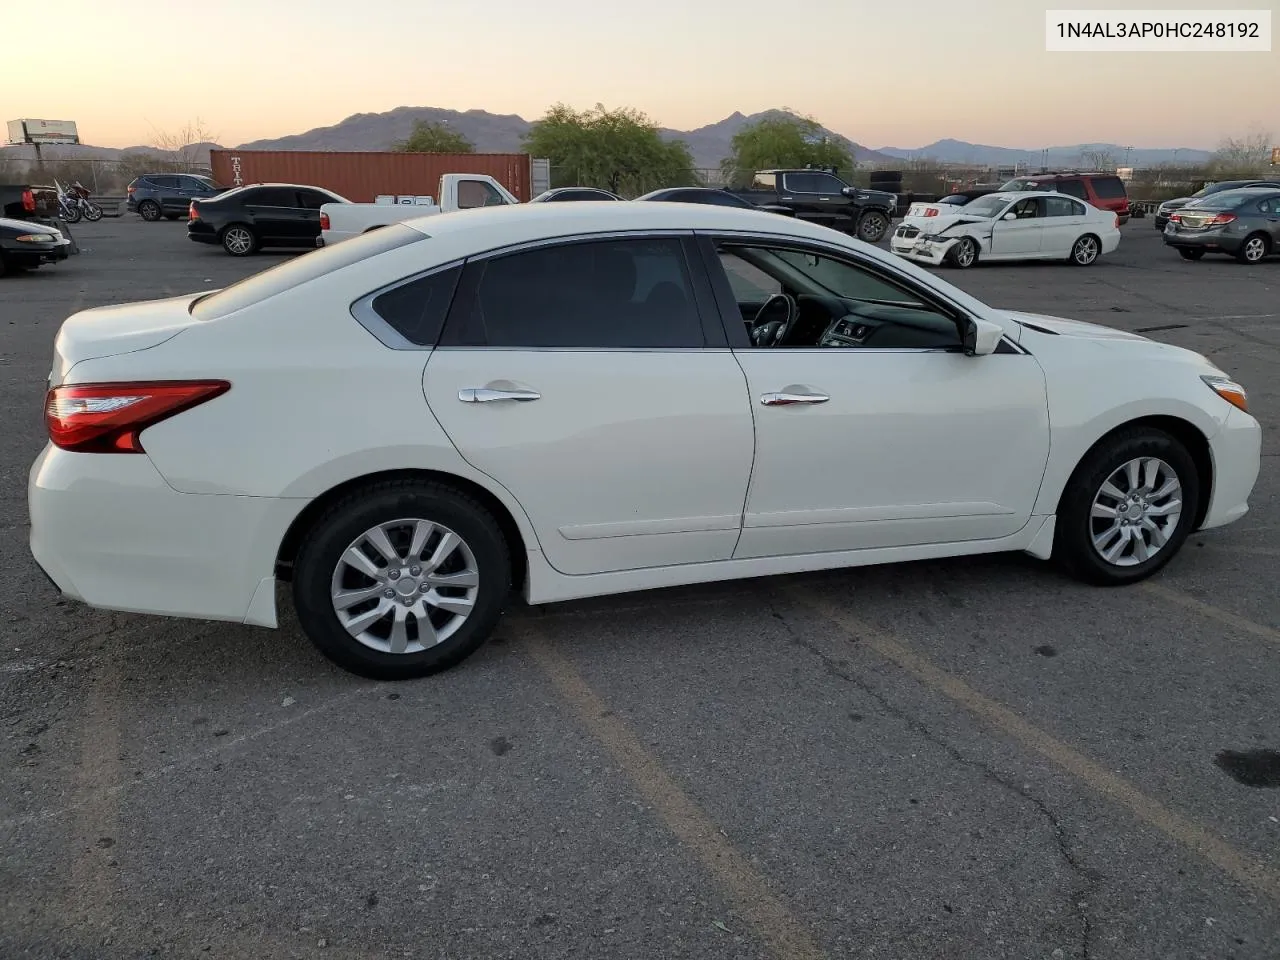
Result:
x=1128 y=507
x=872 y=226
x=402 y=579
x=92 y=212
x=70 y=215
x=965 y=253
x=1085 y=250
x=1191 y=253
x=1254 y=249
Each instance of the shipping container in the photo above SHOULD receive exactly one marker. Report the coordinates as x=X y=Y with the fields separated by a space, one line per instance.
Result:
x=361 y=176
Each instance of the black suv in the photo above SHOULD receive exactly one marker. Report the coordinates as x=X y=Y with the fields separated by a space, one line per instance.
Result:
x=168 y=195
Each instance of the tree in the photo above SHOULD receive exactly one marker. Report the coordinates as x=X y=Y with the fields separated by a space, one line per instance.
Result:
x=784 y=139
x=433 y=137
x=1245 y=156
x=620 y=150
x=184 y=148
x=1099 y=159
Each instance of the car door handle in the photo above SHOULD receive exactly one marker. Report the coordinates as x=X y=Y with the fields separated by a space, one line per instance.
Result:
x=783 y=399
x=485 y=395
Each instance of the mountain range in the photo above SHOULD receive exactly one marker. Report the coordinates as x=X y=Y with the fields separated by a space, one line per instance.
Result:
x=502 y=133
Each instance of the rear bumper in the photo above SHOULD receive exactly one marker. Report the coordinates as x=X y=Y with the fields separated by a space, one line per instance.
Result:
x=201 y=232
x=1217 y=239
x=1237 y=460
x=108 y=531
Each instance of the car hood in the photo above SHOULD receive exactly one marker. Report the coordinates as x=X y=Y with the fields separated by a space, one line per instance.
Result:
x=932 y=225
x=1063 y=327
x=27 y=226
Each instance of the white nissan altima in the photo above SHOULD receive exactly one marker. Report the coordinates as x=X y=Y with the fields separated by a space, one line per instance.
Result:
x=592 y=398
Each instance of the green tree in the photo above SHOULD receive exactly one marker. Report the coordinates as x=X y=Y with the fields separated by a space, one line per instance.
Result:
x=432 y=137
x=784 y=139
x=619 y=150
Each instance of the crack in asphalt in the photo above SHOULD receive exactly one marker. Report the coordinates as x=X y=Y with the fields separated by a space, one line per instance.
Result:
x=1089 y=878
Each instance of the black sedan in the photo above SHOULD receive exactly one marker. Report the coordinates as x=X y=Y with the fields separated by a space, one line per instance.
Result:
x=25 y=245
x=1244 y=224
x=260 y=215
x=563 y=194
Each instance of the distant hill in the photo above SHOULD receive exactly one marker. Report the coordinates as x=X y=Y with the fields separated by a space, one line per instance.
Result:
x=502 y=133
x=960 y=151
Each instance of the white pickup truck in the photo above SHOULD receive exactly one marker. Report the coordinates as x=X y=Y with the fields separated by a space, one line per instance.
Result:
x=458 y=191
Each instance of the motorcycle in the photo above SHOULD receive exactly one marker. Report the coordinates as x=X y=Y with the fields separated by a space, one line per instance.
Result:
x=74 y=203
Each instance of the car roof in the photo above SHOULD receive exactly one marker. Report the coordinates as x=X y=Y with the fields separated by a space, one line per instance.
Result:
x=486 y=227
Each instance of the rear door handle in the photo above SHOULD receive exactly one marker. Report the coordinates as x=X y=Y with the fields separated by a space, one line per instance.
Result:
x=782 y=399
x=485 y=395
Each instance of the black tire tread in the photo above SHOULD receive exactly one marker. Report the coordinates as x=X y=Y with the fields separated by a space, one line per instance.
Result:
x=1072 y=549
x=454 y=653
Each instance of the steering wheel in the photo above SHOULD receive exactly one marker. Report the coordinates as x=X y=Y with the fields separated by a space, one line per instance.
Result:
x=772 y=333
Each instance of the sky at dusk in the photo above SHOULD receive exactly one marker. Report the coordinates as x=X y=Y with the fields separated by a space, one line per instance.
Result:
x=882 y=73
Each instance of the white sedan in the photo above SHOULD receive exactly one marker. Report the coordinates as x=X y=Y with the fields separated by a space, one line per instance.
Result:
x=1008 y=226
x=591 y=398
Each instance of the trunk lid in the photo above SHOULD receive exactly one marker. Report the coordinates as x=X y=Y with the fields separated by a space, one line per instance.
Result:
x=123 y=328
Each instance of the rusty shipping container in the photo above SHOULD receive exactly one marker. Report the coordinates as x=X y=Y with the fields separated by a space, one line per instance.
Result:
x=360 y=176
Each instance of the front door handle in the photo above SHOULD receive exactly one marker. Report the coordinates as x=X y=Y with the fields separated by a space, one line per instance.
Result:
x=782 y=399
x=485 y=395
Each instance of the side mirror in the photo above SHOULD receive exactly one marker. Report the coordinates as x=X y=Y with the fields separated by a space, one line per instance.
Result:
x=1010 y=216
x=849 y=191
x=981 y=337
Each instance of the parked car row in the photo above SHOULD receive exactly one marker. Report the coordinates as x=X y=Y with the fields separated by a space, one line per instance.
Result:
x=1241 y=222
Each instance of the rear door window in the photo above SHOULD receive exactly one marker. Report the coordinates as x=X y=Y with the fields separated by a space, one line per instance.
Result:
x=600 y=295
x=1072 y=188
x=1108 y=188
x=1062 y=207
x=271 y=197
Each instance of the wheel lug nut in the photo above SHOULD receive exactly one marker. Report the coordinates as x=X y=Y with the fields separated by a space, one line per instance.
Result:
x=389 y=594
x=415 y=571
x=393 y=574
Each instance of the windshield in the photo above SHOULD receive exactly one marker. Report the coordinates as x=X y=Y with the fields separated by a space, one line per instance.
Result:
x=985 y=206
x=291 y=273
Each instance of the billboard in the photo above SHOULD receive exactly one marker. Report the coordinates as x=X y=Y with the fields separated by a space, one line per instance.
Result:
x=43 y=131
x=1275 y=156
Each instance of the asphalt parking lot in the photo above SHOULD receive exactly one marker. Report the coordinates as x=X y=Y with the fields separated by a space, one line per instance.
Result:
x=969 y=759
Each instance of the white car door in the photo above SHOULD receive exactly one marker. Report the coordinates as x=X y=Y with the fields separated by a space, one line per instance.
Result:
x=592 y=379
x=1018 y=232
x=873 y=429
x=1065 y=220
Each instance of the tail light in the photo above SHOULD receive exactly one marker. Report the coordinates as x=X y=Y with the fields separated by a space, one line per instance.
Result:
x=931 y=213
x=131 y=188
x=324 y=220
x=1221 y=218
x=29 y=201
x=109 y=417
x=191 y=212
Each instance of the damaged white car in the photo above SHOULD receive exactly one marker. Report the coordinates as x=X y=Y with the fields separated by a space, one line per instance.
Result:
x=1009 y=226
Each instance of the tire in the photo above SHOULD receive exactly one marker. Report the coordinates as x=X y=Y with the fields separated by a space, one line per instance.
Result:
x=964 y=254
x=872 y=226
x=149 y=210
x=1255 y=248
x=1085 y=251
x=1191 y=253
x=239 y=240
x=71 y=215
x=1074 y=544
x=92 y=212
x=397 y=507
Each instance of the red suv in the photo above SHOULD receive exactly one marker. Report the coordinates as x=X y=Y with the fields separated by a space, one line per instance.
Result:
x=1102 y=190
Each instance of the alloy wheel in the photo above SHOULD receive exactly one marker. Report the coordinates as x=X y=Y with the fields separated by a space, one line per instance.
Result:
x=238 y=240
x=405 y=586
x=1136 y=511
x=1085 y=252
x=1255 y=248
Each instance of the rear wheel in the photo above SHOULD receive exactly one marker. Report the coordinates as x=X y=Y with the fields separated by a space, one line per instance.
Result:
x=1191 y=253
x=149 y=210
x=1128 y=507
x=1254 y=249
x=238 y=240
x=402 y=579
x=1085 y=250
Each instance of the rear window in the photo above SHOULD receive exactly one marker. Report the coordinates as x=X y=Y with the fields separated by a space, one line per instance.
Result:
x=1109 y=188
x=293 y=273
